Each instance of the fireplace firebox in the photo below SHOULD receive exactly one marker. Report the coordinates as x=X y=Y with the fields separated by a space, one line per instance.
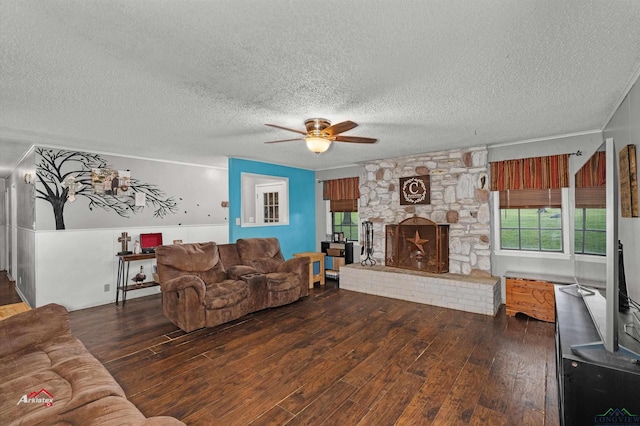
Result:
x=418 y=243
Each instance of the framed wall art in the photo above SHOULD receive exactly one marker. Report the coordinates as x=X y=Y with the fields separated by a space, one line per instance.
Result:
x=415 y=190
x=628 y=182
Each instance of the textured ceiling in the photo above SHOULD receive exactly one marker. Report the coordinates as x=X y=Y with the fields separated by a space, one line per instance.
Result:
x=193 y=81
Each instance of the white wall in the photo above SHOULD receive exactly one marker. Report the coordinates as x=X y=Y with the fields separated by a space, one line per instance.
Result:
x=585 y=142
x=21 y=261
x=321 y=205
x=25 y=276
x=4 y=195
x=73 y=266
x=624 y=128
x=197 y=192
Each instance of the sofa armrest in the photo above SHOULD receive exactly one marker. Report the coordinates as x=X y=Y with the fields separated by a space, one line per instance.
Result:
x=296 y=265
x=162 y=421
x=235 y=272
x=183 y=282
x=33 y=327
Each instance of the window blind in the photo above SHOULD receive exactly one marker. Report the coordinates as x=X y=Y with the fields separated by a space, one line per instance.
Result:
x=343 y=205
x=530 y=198
x=594 y=197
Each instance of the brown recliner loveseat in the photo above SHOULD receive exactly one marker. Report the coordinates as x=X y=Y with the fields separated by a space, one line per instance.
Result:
x=205 y=284
x=48 y=377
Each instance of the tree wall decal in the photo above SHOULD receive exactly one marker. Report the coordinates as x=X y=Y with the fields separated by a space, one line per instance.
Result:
x=56 y=168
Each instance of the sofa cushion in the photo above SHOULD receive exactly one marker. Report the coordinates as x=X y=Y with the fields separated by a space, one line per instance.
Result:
x=199 y=259
x=65 y=369
x=226 y=294
x=32 y=327
x=113 y=410
x=261 y=253
x=265 y=265
x=229 y=255
x=281 y=281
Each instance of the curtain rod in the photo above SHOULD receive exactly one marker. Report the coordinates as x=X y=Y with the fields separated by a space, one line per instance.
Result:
x=327 y=180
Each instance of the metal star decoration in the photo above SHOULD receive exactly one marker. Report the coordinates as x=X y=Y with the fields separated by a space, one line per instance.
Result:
x=418 y=242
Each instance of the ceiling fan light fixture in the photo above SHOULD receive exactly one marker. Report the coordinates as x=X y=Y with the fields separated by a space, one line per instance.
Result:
x=317 y=144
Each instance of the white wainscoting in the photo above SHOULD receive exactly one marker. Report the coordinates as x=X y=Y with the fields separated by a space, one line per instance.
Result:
x=464 y=293
x=73 y=266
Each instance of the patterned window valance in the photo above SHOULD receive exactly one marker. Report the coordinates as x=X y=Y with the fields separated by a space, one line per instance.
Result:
x=591 y=181
x=531 y=173
x=594 y=172
x=342 y=189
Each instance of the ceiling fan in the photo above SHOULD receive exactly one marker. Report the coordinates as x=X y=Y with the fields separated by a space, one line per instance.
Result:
x=320 y=133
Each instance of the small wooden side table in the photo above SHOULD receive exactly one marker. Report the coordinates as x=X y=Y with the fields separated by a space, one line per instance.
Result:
x=315 y=257
x=122 y=285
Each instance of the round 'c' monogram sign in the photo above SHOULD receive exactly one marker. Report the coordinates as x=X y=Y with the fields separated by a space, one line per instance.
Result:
x=414 y=190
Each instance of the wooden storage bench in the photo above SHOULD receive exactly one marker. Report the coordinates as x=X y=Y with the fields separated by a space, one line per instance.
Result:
x=532 y=294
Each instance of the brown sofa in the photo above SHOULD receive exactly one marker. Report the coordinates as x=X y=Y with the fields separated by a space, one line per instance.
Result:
x=49 y=377
x=205 y=284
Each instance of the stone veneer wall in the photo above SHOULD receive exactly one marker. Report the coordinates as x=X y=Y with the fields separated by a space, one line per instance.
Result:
x=459 y=196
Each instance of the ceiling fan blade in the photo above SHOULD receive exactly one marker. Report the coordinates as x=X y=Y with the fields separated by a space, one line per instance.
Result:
x=340 y=128
x=286 y=128
x=286 y=140
x=353 y=139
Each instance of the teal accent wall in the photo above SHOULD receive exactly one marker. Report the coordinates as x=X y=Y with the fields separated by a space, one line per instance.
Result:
x=299 y=234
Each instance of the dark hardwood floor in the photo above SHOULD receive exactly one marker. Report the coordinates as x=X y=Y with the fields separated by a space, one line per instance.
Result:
x=334 y=358
x=8 y=293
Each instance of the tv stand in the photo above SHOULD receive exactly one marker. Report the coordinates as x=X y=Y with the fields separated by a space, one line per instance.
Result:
x=591 y=380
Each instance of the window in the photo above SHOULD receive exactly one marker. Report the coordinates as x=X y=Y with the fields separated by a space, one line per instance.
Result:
x=347 y=223
x=270 y=207
x=591 y=231
x=591 y=216
x=590 y=206
x=531 y=219
x=264 y=200
x=342 y=196
x=531 y=229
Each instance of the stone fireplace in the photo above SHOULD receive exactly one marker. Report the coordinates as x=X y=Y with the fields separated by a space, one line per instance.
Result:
x=437 y=253
x=418 y=243
x=459 y=198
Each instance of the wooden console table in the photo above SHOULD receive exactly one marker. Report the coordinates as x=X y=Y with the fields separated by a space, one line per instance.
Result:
x=124 y=261
x=533 y=294
x=315 y=257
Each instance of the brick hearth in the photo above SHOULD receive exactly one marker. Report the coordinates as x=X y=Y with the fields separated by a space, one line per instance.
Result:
x=479 y=295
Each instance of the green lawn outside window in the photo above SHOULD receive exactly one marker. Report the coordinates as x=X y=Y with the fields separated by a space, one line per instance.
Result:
x=590 y=231
x=531 y=229
x=346 y=222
